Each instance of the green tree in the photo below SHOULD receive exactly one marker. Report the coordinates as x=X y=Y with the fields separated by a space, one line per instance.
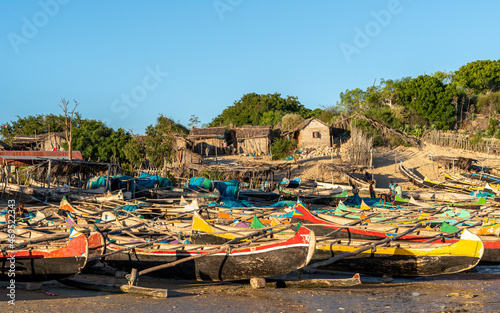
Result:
x=250 y=109
x=35 y=124
x=134 y=151
x=430 y=98
x=193 y=121
x=482 y=75
x=98 y=142
x=160 y=140
x=290 y=120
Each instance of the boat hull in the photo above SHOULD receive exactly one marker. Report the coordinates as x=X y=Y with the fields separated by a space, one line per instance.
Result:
x=277 y=258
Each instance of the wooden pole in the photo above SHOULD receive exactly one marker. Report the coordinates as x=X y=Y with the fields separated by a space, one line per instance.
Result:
x=107 y=177
x=48 y=174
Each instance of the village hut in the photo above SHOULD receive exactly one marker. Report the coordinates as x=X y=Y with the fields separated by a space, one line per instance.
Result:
x=253 y=140
x=208 y=141
x=183 y=152
x=41 y=142
x=311 y=133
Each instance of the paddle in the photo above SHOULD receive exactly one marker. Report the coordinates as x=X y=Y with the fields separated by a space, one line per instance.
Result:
x=360 y=250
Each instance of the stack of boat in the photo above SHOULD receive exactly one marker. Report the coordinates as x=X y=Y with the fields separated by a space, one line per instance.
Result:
x=224 y=242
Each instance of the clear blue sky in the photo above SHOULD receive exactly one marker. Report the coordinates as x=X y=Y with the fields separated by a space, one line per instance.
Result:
x=126 y=62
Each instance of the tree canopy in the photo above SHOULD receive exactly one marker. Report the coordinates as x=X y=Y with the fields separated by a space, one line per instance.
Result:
x=98 y=142
x=255 y=109
x=160 y=140
x=35 y=124
x=483 y=76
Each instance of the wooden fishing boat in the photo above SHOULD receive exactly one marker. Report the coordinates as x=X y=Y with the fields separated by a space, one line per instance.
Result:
x=42 y=262
x=404 y=258
x=322 y=227
x=358 y=182
x=412 y=177
x=447 y=186
x=483 y=177
x=463 y=205
x=258 y=259
x=313 y=195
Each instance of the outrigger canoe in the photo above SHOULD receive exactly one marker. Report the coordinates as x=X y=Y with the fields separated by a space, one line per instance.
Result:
x=404 y=258
x=42 y=262
x=259 y=259
x=321 y=226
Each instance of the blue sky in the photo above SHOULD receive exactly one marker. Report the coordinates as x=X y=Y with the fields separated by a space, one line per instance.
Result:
x=126 y=62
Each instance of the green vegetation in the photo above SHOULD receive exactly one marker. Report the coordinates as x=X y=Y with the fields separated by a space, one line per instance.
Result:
x=35 y=125
x=255 y=109
x=444 y=100
x=282 y=148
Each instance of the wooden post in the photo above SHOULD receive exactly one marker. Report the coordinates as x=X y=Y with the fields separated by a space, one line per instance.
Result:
x=48 y=174
x=108 y=178
x=371 y=158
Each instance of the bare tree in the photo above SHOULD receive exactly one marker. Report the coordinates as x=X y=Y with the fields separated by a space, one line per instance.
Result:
x=69 y=124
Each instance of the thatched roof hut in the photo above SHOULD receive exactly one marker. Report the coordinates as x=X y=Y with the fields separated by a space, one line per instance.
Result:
x=253 y=140
x=208 y=141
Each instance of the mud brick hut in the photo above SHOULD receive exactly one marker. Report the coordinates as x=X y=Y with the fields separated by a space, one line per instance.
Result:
x=208 y=141
x=42 y=142
x=253 y=140
x=311 y=133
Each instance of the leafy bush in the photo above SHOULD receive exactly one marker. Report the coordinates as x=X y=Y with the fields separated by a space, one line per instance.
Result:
x=489 y=103
x=281 y=148
x=477 y=138
x=492 y=128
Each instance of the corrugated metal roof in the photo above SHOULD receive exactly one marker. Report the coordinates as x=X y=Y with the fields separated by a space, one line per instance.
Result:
x=29 y=157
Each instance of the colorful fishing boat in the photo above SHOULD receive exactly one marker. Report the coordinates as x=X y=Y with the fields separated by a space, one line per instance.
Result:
x=322 y=226
x=403 y=258
x=42 y=262
x=258 y=259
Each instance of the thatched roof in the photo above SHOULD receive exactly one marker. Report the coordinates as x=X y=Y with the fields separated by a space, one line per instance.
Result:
x=304 y=124
x=66 y=168
x=27 y=139
x=210 y=132
x=250 y=131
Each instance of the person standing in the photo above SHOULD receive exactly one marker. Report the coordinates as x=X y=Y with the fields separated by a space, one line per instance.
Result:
x=391 y=190
x=398 y=191
x=372 y=190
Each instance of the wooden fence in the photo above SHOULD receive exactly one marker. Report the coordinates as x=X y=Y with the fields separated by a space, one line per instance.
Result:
x=458 y=141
